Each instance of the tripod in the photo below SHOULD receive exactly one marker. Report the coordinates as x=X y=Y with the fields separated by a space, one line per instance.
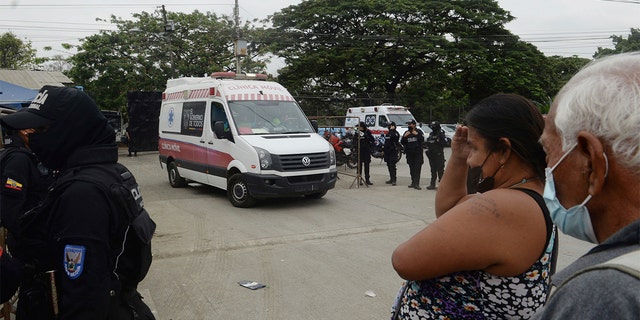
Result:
x=359 y=180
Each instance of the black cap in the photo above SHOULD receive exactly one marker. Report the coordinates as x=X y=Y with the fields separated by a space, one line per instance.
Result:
x=392 y=123
x=412 y=121
x=41 y=112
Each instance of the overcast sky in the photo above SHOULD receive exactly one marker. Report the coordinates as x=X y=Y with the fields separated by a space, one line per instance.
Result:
x=556 y=27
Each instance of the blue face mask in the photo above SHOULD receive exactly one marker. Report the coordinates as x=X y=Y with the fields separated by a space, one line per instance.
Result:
x=574 y=221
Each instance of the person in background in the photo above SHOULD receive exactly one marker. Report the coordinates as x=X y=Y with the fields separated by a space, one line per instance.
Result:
x=24 y=186
x=390 y=149
x=78 y=237
x=364 y=145
x=592 y=141
x=130 y=143
x=332 y=139
x=412 y=140
x=487 y=255
x=436 y=141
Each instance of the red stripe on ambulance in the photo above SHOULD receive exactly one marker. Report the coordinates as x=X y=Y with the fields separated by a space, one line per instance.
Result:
x=194 y=153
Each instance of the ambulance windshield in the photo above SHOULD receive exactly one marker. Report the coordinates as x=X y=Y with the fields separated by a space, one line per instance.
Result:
x=269 y=117
x=400 y=118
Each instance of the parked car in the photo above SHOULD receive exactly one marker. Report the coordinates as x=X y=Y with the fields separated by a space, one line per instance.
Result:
x=451 y=126
x=448 y=132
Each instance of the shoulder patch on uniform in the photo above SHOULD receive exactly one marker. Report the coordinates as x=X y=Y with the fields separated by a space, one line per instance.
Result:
x=13 y=184
x=74 y=260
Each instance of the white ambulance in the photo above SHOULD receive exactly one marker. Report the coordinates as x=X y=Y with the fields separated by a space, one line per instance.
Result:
x=377 y=118
x=243 y=135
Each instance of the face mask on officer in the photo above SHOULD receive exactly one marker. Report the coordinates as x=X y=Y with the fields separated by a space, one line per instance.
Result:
x=574 y=221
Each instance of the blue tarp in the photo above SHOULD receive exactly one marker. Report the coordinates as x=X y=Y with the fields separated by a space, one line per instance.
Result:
x=14 y=96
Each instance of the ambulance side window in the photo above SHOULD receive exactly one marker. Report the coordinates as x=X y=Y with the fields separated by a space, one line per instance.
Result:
x=383 y=122
x=218 y=115
x=193 y=118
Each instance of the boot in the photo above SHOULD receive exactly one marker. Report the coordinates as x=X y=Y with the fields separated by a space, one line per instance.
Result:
x=432 y=186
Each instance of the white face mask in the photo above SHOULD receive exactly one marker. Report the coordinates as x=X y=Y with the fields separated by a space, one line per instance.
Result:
x=574 y=221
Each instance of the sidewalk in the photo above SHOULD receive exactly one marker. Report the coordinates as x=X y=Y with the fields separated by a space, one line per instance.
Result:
x=319 y=259
x=570 y=248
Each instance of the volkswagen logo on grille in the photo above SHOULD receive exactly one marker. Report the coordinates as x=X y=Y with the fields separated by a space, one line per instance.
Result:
x=306 y=161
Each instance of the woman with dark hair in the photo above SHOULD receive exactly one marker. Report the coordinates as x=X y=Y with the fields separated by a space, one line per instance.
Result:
x=489 y=253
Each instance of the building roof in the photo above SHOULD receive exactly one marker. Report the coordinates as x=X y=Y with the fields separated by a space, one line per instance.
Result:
x=14 y=96
x=34 y=79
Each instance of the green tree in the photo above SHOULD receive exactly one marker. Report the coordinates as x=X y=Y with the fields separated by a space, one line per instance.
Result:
x=562 y=69
x=428 y=55
x=140 y=55
x=15 y=53
x=631 y=43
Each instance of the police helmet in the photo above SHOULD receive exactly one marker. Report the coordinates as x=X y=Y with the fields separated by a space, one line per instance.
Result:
x=434 y=125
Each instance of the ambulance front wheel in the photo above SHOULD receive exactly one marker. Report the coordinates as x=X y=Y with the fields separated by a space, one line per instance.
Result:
x=175 y=180
x=238 y=193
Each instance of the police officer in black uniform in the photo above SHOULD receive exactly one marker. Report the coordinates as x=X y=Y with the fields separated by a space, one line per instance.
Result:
x=74 y=241
x=24 y=182
x=23 y=187
x=365 y=142
x=412 y=141
x=436 y=141
x=390 y=148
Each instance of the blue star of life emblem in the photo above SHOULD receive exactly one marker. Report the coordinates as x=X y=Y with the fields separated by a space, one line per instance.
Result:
x=171 y=117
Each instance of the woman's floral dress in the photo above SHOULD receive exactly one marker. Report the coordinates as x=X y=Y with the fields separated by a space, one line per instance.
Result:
x=477 y=294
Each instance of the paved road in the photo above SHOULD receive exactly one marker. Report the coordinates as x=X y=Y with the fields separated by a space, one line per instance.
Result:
x=317 y=258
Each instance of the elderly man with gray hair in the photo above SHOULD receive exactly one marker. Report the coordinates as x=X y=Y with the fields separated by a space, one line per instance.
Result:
x=592 y=190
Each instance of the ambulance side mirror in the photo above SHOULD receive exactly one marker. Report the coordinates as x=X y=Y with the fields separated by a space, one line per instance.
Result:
x=219 y=130
x=314 y=124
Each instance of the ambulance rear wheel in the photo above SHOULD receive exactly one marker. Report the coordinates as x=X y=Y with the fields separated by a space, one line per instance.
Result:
x=175 y=180
x=238 y=192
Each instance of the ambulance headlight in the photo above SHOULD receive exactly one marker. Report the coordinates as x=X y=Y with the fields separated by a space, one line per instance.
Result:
x=332 y=156
x=264 y=157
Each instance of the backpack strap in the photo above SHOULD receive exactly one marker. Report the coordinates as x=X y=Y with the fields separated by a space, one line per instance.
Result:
x=628 y=263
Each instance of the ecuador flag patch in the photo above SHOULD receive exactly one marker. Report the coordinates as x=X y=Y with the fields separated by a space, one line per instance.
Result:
x=13 y=184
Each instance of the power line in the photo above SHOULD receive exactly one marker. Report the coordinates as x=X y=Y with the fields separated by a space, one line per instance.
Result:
x=624 y=1
x=105 y=5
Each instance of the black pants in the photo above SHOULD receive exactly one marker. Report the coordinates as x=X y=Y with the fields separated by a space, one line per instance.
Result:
x=132 y=148
x=366 y=163
x=392 y=170
x=415 y=161
x=436 y=162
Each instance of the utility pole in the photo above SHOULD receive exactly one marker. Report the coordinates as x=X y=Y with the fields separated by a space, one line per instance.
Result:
x=240 y=44
x=169 y=28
